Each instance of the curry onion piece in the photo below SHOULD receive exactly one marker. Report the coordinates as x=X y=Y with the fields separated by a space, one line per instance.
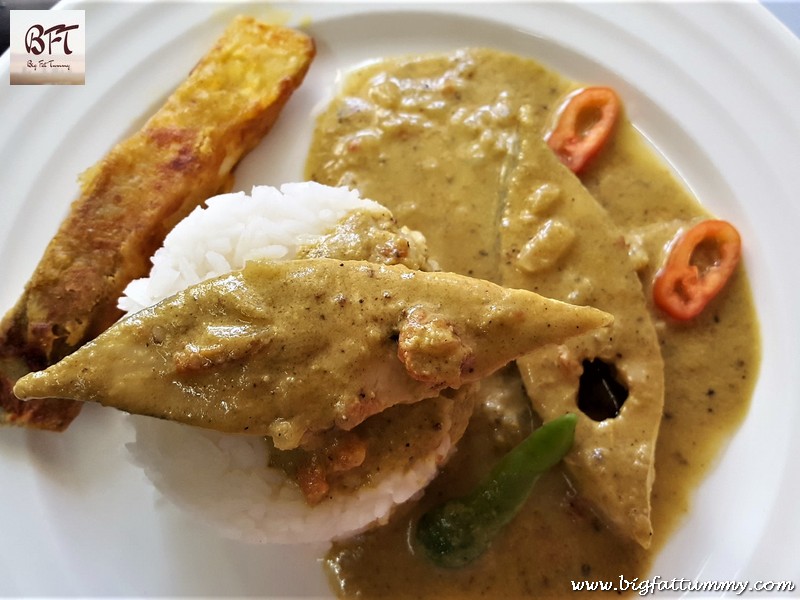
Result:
x=457 y=532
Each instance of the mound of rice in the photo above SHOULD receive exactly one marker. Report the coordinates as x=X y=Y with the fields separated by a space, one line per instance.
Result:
x=223 y=479
x=234 y=228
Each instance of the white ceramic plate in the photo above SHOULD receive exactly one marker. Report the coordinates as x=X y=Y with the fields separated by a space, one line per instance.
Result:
x=713 y=86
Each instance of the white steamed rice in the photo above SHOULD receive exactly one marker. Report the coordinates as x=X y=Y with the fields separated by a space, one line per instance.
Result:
x=225 y=479
x=235 y=228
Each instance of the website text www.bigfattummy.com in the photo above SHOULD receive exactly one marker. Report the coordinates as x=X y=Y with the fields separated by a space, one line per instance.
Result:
x=654 y=584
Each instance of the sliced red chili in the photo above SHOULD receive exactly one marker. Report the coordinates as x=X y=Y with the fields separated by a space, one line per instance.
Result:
x=700 y=262
x=585 y=123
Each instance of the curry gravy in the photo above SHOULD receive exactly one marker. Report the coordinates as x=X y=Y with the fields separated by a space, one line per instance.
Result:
x=435 y=139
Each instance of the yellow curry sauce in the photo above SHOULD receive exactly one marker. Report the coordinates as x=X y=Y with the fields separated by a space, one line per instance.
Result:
x=435 y=139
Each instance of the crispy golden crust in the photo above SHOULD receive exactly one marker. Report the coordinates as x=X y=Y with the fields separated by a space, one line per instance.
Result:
x=130 y=199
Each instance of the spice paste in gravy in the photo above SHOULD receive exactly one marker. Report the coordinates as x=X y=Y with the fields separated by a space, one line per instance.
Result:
x=435 y=139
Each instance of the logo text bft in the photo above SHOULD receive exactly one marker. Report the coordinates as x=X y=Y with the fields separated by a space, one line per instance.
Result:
x=35 y=42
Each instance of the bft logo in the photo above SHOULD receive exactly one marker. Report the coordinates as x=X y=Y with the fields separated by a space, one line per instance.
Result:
x=47 y=47
x=35 y=40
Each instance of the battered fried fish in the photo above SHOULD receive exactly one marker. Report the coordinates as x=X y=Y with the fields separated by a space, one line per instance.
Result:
x=129 y=200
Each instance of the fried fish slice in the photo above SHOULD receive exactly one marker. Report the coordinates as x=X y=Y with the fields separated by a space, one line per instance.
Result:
x=298 y=347
x=612 y=461
x=130 y=199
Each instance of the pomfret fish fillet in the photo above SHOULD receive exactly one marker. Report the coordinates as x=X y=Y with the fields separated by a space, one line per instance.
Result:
x=294 y=348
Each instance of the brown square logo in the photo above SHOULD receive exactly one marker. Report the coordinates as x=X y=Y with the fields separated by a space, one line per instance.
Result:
x=47 y=47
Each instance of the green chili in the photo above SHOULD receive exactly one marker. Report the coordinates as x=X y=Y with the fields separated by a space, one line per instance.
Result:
x=458 y=531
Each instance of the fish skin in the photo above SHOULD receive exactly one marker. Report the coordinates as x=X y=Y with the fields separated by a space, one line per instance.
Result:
x=129 y=200
x=293 y=348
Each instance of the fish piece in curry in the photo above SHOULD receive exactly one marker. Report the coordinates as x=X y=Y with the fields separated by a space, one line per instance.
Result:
x=295 y=348
x=612 y=462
